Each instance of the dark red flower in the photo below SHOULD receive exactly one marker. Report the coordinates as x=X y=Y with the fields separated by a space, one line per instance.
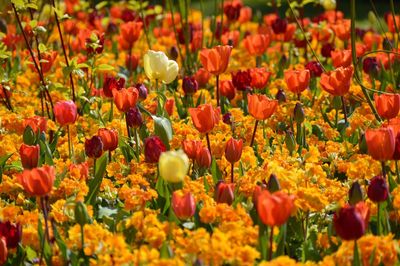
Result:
x=315 y=68
x=224 y=193
x=12 y=233
x=134 y=117
x=241 y=80
x=94 y=147
x=349 y=223
x=378 y=189
x=326 y=50
x=279 y=25
x=153 y=147
x=110 y=84
x=190 y=85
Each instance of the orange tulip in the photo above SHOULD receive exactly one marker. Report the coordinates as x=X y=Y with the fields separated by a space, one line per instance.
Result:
x=205 y=117
x=29 y=155
x=261 y=107
x=230 y=38
x=381 y=143
x=227 y=89
x=337 y=82
x=191 y=147
x=392 y=21
x=394 y=124
x=202 y=76
x=297 y=80
x=38 y=181
x=341 y=58
x=274 y=209
x=216 y=60
x=130 y=33
x=387 y=105
x=342 y=29
x=233 y=150
x=257 y=44
x=245 y=14
x=183 y=204
x=259 y=77
x=125 y=98
x=36 y=123
x=109 y=137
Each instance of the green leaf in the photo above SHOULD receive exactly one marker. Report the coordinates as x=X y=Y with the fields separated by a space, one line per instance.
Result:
x=42 y=48
x=61 y=244
x=94 y=185
x=44 y=147
x=29 y=137
x=163 y=129
x=104 y=211
x=356 y=255
x=105 y=67
x=215 y=172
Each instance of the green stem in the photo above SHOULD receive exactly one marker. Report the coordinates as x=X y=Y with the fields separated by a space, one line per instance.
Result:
x=94 y=167
x=379 y=219
x=208 y=144
x=144 y=25
x=397 y=171
x=395 y=23
x=69 y=143
x=176 y=34
x=344 y=109
x=82 y=239
x=254 y=134
x=137 y=144
x=217 y=88
x=271 y=243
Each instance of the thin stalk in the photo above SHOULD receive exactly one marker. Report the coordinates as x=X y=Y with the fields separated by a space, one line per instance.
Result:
x=7 y=101
x=217 y=88
x=109 y=156
x=383 y=169
x=254 y=133
x=128 y=130
x=71 y=80
x=344 y=109
x=397 y=171
x=144 y=25
x=82 y=239
x=379 y=228
x=176 y=34
x=232 y=174
x=395 y=23
x=43 y=202
x=208 y=143
x=271 y=243
x=137 y=144
x=69 y=143
x=94 y=167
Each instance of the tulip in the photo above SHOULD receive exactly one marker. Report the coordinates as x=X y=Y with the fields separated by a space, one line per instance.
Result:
x=378 y=190
x=202 y=76
x=153 y=147
x=173 y=166
x=315 y=68
x=38 y=181
x=111 y=84
x=184 y=205
x=280 y=96
x=215 y=61
x=297 y=80
x=241 y=80
x=131 y=62
x=12 y=233
x=279 y=25
x=233 y=152
x=36 y=123
x=109 y=137
x=341 y=58
x=337 y=82
x=259 y=77
x=257 y=44
x=232 y=9
x=191 y=147
x=142 y=91
x=125 y=98
x=258 y=189
x=355 y=193
x=387 y=105
x=274 y=209
x=261 y=108
x=227 y=118
x=3 y=250
x=29 y=155
x=342 y=29
x=227 y=89
x=157 y=66
x=371 y=66
x=381 y=143
x=66 y=112
x=189 y=85
x=224 y=193
x=326 y=50
x=203 y=158
x=273 y=184
x=130 y=33
x=81 y=214
x=94 y=147
x=134 y=117
x=204 y=118
x=349 y=223
x=245 y=14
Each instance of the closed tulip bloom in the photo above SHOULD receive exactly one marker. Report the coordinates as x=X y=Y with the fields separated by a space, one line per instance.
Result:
x=109 y=137
x=66 y=112
x=387 y=105
x=205 y=117
x=173 y=166
x=225 y=193
x=381 y=143
x=233 y=150
x=378 y=190
x=363 y=210
x=12 y=233
x=257 y=44
x=348 y=223
x=134 y=117
x=297 y=80
x=191 y=147
x=153 y=147
x=130 y=33
x=3 y=250
x=94 y=147
x=203 y=157
x=245 y=14
x=184 y=205
x=189 y=85
x=125 y=98
x=337 y=82
x=341 y=58
x=259 y=77
x=227 y=89
x=29 y=155
x=241 y=80
x=315 y=69
x=216 y=60
x=274 y=209
x=36 y=123
x=202 y=76
x=111 y=84
x=261 y=107
x=157 y=66
x=38 y=181
x=142 y=90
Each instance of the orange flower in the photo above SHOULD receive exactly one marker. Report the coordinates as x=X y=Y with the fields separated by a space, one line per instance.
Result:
x=202 y=76
x=216 y=60
x=205 y=117
x=38 y=181
x=109 y=137
x=227 y=89
x=391 y=22
x=130 y=33
x=125 y=98
x=337 y=82
x=297 y=80
x=245 y=14
x=261 y=107
x=341 y=58
x=387 y=105
x=29 y=155
x=46 y=61
x=342 y=29
x=257 y=44
x=274 y=209
x=231 y=38
x=394 y=124
x=191 y=147
x=259 y=77
x=381 y=143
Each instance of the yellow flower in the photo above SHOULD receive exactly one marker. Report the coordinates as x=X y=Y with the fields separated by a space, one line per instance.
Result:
x=158 y=67
x=173 y=166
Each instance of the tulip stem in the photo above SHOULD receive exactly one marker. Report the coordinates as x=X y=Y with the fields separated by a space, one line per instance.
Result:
x=271 y=242
x=82 y=240
x=69 y=143
x=128 y=130
x=208 y=144
x=217 y=89
x=111 y=111
x=146 y=33
x=254 y=133
x=94 y=167
x=344 y=109
x=7 y=102
x=378 y=221
x=137 y=144
x=232 y=168
x=383 y=169
x=109 y=156
x=397 y=171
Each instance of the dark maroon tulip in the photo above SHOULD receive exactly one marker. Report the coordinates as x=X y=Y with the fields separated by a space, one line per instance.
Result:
x=227 y=118
x=128 y=15
x=370 y=66
x=281 y=96
x=349 y=223
x=326 y=50
x=224 y=193
x=110 y=84
x=273 y=184
x=134 y=117
x=378 y=190
x=173 y=53
x=315 y=68
x=182 y=34
x=232 y=10
x=94 y=147
x=142 y=91
x=279 y=25
x=241 y=80
x=12 y=233
x=190 y=85
x=153 y=147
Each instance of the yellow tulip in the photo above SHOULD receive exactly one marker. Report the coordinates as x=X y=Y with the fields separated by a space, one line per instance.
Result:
x=173 y=166
x=157 y=66
x=328 y=4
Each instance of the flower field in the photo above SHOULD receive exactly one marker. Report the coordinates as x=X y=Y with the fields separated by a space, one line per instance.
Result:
x=134 y=133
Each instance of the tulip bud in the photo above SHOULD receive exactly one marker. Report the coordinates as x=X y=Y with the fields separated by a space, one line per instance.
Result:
x=3 y=250
x=173 y=53
x=131 y=62
x=29 y=155
x=29 y=137
x=81 y=214
x=273 y=184
x=142 y=91
x=299 y=113
x=371 y=66
x=224 y=193
x=94 y=147
x=348 y=223
x=233 y=150
x=12 y=233
x=378 y=189
x=173 y=166
x=281 y=96
x=184 y=205
x=153 y=147
x=279 y=25
x=134 y=117
x=290 y=142
x=362 y=144
x=189 y=85
x=65 y=112
x=326 y=50
x=227 y=118
x=203 y=158
x=355 y=193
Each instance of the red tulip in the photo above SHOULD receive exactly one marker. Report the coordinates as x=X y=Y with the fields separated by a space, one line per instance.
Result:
x=349 y=223
x=205 y=117
x=125 y=98
x=38 y=181
x=381 y=143
x=203 y=157
x=257 y=44
x=3 y=250
x=109 y=137
x=202 y=76
x=111 y=84
x=378 y=190
x=12 y=233
x=227 y=89
x=66 y=112
x=387 y=105
x=216 y=60
x=260 y=106
x=241 y=80
x=153 y=147
x=341 y=58
x=184 y=205
x=29 y=155
x=224 y=193
x=233 y=150
x=191 y=147
x=259 y=77
x=297 y=80
x=36 y=123
x=94 y=147
x=130 y=33
x=274 y=209
x=337 y=82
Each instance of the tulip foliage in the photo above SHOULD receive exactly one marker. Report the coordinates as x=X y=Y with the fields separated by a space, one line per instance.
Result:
x=135 y=133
